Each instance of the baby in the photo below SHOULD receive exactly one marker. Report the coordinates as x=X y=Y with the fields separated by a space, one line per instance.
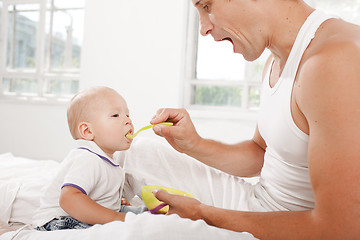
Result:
x=87 y=189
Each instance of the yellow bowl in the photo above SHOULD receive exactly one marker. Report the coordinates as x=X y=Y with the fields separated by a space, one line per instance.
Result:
x=151 y=201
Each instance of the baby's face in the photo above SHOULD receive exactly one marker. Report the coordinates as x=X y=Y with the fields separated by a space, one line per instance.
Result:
x=111 y=122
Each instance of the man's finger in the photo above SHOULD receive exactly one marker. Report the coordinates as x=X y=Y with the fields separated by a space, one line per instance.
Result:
x=162 y=196
x=163 y=130
x=161 y=116
x=167 y=114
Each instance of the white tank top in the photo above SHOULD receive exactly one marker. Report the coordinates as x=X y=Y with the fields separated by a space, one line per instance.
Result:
x=285 y=174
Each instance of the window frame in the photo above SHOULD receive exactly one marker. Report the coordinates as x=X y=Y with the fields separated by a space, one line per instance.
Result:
x=43 y=71
x=190 y=82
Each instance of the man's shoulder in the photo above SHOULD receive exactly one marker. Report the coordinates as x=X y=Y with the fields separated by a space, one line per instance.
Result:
x=335 y=47
x=337 y=39
x=331 y=66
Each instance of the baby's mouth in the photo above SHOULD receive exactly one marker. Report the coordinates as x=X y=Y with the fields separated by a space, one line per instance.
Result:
x=129 y=133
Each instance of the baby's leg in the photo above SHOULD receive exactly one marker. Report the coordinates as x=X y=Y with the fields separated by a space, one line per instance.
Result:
x=65 y=222
x=133 y=209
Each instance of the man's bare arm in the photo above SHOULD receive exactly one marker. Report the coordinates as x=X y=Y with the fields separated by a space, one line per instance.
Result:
x=329 y=98
x=243 y=159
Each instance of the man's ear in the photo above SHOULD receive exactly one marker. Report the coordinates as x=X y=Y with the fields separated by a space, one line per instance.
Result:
x=85 y=131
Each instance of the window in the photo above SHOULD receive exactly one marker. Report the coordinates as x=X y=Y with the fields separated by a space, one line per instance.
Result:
x=216 y=78
x=40 y=48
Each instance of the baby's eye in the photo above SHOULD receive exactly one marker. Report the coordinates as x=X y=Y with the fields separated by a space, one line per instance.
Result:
x=115 y=115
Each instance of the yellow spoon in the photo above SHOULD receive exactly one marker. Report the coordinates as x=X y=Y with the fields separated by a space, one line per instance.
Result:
x=131 y=136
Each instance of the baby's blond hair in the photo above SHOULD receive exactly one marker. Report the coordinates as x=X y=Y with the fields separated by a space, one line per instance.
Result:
x=82 y=105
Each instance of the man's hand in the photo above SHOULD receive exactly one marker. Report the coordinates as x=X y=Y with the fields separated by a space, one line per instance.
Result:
x=185 y=207
x=182 y=136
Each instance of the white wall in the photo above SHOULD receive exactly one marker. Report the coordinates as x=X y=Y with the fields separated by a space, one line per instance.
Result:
x=136 y=47
x=33 y=130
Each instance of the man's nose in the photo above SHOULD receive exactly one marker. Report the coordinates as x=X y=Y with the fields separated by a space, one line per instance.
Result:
x=205 y=26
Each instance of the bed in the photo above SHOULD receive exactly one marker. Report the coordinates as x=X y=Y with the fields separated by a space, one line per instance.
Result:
x=146 y=163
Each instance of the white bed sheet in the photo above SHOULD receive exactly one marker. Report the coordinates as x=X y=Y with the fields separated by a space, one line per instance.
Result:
x=26 y=177
x=144 y=226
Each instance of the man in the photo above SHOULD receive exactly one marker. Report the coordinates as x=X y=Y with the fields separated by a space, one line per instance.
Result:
x=306 y=145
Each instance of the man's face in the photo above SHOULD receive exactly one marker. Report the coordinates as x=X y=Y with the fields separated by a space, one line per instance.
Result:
x=231 y=20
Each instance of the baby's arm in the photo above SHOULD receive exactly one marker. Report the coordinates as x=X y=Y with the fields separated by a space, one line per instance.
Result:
x=81 y=207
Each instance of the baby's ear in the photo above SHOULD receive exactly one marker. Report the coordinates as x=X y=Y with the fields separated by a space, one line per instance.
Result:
x=85 y=131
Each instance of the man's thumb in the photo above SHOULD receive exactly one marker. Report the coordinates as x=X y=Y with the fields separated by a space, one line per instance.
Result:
x=161 y=195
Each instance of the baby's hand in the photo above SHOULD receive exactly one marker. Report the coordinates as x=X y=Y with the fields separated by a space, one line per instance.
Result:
x=125 y=202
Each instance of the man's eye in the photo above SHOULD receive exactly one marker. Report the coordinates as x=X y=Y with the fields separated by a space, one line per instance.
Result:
x=115 y=115
x=206 y=7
